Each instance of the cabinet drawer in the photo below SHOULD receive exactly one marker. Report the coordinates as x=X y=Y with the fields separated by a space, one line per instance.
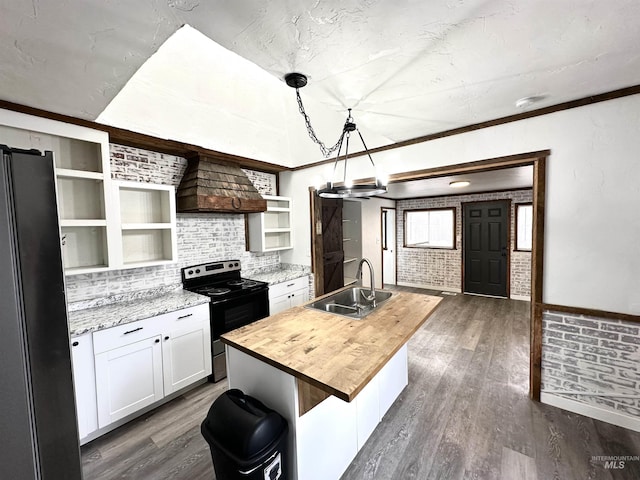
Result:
x=283 y=288
x=184 y=318
x=114 y=337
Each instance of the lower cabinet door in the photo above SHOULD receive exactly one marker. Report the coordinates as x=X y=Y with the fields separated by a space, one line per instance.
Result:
x=279 y=304
x=186 y=356
x=368 y=409
x=392 y=379
x=326 y=440
x=299 y=297
x=128 y=378
x=84 y=384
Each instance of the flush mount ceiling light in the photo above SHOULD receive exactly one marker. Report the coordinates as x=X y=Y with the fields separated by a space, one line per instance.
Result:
x=459 y=184
x=525 y=102
x=346 y=188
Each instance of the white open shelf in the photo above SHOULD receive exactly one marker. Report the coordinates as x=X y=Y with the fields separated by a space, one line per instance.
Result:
x=352 y=239
x=66 y=173
x=147 y=246
x=277 y=204
x=80 y=198
x=80 y=155
x=84 y=248
x=271 y=230
x=147 y=224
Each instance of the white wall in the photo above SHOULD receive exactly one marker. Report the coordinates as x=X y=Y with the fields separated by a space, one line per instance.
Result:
x=592 y=238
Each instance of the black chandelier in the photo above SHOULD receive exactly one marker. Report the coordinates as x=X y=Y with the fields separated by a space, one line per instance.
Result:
x=346 y=188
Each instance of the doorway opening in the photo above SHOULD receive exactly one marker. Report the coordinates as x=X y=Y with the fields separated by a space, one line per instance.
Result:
x=538 y=161
x=388 y=245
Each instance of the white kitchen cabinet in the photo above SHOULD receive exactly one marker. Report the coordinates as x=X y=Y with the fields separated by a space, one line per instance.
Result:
x=326 y=439
x=84 y=384
x=392 y=379
x=83 y=184
x=129 y=377
x=139 y=363
x=368 y=411
x=186 y=348
x=146 y=224
x=322 y=441
x=288 y=294
x=271 y=230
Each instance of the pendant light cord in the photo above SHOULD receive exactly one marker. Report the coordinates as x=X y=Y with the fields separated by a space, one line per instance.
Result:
x=326 y=151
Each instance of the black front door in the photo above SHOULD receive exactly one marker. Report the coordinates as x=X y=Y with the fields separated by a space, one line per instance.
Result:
x=486 y=240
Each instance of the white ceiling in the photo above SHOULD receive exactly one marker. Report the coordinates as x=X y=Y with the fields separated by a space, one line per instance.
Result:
x=407 y=67
x=495 y=180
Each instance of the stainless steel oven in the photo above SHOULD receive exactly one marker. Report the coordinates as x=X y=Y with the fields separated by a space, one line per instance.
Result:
x=235 y=302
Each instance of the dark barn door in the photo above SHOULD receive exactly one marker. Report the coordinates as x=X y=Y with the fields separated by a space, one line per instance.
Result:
x=486 y=240
x=333 y=255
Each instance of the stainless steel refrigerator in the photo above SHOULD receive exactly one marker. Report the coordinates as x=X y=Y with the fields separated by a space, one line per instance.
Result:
x=39 y=436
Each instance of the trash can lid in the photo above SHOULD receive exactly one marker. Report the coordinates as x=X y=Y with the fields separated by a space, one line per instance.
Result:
x=242 y=425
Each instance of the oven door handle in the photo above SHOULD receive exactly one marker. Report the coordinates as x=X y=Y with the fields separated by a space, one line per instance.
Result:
x=251 y=293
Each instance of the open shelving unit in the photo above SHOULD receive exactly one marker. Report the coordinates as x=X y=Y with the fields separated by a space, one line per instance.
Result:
x=83 y=183
x=147 y=224
x=352 y=239
x=103 y=226
x=271 y=230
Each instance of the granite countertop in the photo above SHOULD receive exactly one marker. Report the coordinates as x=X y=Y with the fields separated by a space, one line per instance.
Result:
x=279 y=275
x=118 y=313
x=333 y=353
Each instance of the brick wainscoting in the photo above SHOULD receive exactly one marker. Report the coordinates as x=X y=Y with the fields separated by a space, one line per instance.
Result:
x=594 y=362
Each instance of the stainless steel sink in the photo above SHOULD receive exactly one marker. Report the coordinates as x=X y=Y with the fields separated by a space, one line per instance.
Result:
x=351 y=303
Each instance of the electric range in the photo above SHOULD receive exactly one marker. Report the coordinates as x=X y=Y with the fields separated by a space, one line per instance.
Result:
x=235 y=302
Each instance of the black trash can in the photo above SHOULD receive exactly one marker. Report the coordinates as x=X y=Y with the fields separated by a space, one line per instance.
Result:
x=248 y=440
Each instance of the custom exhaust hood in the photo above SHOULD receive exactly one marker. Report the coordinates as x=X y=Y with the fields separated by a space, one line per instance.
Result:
x=210 y=186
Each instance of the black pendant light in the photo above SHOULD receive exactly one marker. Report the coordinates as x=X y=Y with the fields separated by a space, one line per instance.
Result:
x=346 y=188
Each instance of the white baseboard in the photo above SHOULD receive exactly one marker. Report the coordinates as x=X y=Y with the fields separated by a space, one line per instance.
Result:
x=429 y=287
x=609 y=416
x=524 y=298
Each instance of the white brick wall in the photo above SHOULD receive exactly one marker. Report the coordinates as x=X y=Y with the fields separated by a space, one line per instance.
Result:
x=443 y=268
x=592 y=355
x=202 y=237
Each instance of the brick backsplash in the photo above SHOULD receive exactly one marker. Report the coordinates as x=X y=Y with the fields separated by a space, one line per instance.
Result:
x=443 y=268
x=592 y=355
x=202 y=237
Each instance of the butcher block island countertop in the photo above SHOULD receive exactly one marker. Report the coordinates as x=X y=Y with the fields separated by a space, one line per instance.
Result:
x=333 y=353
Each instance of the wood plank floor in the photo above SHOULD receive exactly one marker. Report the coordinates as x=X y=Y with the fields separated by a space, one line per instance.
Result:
x=464 y=415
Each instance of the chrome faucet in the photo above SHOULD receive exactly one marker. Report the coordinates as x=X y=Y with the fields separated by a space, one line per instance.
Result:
x=372 y=297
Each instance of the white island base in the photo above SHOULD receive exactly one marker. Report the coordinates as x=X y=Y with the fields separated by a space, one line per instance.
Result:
x=324 y=440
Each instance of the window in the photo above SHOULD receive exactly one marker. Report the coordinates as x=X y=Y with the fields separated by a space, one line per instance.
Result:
x=524 y=226
x=434 y=228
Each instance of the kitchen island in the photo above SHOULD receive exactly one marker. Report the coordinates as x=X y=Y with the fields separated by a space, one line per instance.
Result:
x=333 y=378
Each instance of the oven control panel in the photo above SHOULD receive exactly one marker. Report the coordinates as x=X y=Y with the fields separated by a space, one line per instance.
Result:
x=209 y=269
